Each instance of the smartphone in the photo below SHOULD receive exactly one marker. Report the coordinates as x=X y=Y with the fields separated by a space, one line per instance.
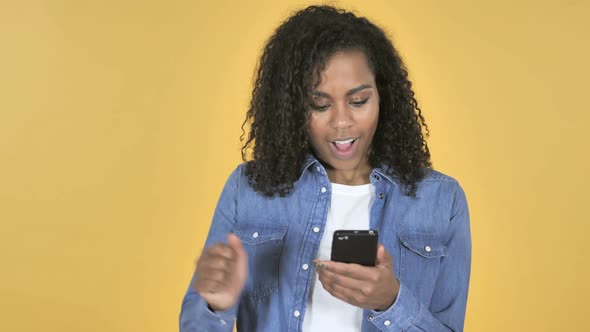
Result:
x=355 y=246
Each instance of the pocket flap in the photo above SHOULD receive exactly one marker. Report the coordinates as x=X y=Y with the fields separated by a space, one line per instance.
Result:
x=425 y=245
x=258 y=232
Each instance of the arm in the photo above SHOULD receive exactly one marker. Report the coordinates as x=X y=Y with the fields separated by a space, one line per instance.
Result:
x=195 y=314
x=447 y=309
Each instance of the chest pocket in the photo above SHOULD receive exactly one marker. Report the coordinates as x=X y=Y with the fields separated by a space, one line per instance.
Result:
x=263 y=243
x=421 y=255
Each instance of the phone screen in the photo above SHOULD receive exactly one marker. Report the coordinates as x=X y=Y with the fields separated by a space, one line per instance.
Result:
x=355 y=246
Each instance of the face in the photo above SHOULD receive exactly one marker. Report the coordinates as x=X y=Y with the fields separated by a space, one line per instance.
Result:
x=344 y=117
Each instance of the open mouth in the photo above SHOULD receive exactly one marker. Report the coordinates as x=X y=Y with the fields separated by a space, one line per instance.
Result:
x=343 y=148
x=344 y=145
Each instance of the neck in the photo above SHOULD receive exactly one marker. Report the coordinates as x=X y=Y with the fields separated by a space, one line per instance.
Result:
x=354 y=177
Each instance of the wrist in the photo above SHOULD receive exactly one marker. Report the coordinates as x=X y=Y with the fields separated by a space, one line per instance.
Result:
x=393 y=297
x=386 y=306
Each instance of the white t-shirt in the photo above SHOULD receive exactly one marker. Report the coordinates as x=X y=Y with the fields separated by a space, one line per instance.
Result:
x=349 y=209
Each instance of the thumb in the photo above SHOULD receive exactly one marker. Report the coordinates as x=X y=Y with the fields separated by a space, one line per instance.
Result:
x=240 y=272
x=234 y=242
x=383 y=257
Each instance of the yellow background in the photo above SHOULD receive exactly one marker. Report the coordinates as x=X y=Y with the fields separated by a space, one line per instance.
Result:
x=120 y=121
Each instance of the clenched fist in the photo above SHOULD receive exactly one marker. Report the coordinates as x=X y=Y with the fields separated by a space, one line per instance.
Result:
x=221 y=273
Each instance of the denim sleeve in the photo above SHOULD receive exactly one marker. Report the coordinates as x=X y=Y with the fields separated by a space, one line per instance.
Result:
x=446 y=311
x=195 y=315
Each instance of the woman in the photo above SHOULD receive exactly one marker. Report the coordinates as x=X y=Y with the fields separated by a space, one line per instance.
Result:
x=337 y=141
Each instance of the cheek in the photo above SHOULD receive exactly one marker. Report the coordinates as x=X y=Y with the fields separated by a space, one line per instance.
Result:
x=376 y=116
x=372 y=121
x=375 y=123
x=314 y=129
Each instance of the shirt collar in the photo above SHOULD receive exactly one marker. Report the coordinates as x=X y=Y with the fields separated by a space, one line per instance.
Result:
x=383 y=171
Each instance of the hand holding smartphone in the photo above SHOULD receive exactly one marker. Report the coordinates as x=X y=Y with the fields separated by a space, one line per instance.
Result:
x=355 y=246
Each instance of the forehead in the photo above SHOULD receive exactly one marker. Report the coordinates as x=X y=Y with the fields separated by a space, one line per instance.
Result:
x=346 y=69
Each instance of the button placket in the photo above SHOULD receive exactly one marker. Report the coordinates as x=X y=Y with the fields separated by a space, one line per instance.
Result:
x=305 y=267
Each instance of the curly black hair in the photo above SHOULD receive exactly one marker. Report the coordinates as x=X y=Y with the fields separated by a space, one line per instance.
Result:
x=287 y=73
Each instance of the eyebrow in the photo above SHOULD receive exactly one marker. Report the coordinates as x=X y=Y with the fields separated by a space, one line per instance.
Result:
x=349 y=93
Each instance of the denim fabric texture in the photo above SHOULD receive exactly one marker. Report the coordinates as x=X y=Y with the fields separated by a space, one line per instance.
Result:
x=428 y=237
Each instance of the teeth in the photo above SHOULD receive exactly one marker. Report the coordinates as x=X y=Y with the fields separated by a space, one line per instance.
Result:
x=345 y=141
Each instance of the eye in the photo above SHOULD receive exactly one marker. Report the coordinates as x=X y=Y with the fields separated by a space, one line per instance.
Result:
x=319 y=108
x=359 y=103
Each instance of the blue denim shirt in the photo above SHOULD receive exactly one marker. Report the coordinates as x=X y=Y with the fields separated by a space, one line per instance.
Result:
x=428 y=237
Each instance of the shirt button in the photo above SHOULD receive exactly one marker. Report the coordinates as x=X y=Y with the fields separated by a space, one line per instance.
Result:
x=381 y=196
x=376 y=177
x=223 y=322
x=387 y=323
x=296 y=313
x=318 y=168
x=324 y=189
x=370 y=318
x=255 y=235
x=305 y=267
x=316 y=229
x=428 y=249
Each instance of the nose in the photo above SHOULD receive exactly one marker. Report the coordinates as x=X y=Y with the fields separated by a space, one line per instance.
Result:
x=341 y=116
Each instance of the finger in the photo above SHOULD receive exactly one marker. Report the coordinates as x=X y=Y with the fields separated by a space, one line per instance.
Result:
x=207 y=286
x=343 y=293
x=220 y=263
x=351 y=270
x=214 y=274
x=214 y=261
x=341 y=280
x=319 y=265
x=219 y=249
